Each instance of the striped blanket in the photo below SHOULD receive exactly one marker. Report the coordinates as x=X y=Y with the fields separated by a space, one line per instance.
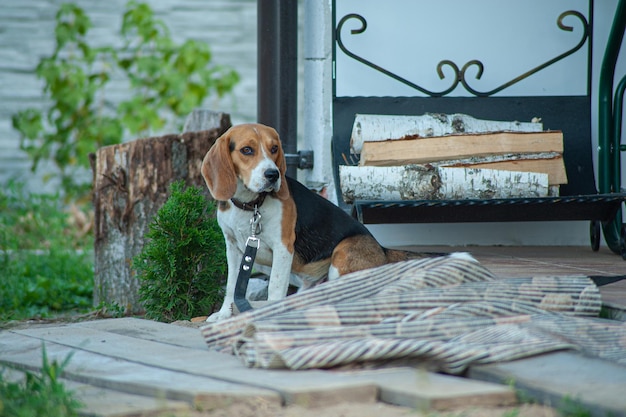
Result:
x=442 y=313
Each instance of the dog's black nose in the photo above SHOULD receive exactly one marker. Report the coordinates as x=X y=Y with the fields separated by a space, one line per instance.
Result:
x=272 y=175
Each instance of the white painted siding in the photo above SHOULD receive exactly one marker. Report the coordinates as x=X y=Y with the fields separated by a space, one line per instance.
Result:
x=26 y=35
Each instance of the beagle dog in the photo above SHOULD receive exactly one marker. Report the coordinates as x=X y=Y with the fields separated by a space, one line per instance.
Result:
x=302 y=233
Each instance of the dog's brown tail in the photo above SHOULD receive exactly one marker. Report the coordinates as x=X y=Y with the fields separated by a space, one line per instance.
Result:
x=396 y=255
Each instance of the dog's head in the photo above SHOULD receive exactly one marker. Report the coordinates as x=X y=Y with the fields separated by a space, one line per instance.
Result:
x=250 y=154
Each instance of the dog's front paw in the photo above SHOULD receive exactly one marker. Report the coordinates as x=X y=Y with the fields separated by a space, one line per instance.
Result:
x=223 y=314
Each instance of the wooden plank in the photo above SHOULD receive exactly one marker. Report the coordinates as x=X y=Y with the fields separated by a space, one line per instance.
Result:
x=403 y=386
x=598 y=385
x=417 y=388
x=400 y=386
x=149 y=330
x=418 y=151
x=102 y=402
x=128 y=376
x=528 y=261
x=306 y=387
x=376 y=127
x=419 y=182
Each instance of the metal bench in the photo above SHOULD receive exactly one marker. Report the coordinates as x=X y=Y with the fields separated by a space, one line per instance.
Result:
x=580 y=199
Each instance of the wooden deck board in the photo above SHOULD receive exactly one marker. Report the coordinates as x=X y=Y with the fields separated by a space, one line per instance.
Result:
x=424 y=390
x=224 y=371
x=527 y=261
x=515 y=261
x=137 y=365
x=128 y=376
x=147 y=365
x=555 y=378
x=533 y=261
x=150 y=330
x=108 y=403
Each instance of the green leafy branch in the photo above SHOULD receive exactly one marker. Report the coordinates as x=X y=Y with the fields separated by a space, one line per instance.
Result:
x=165 y=80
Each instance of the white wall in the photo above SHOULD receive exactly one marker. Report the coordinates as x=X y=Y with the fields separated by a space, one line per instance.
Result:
x=509 y=37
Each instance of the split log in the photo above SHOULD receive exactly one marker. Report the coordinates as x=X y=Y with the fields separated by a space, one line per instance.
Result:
x=374 y=127
x=550 y=163
x=418 y=151
x=428 y=182
x=131 y=183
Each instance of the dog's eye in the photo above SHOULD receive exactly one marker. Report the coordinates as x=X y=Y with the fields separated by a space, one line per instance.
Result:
x=274 y=149
x=246 y=150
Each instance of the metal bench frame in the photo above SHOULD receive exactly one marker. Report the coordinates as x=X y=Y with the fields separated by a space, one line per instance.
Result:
x=579 y=199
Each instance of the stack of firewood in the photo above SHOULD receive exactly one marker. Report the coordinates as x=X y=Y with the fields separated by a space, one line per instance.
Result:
x=438 y=156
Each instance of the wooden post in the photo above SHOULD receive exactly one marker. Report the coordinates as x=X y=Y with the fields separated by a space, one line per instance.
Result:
x=131 y=182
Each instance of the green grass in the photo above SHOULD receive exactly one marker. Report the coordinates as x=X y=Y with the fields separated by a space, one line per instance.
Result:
x=38 y=394
x=46 y=266
x=572 y=407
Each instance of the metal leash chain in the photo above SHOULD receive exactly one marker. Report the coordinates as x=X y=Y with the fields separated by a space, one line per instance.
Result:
x=255 y=223
x=245 y=269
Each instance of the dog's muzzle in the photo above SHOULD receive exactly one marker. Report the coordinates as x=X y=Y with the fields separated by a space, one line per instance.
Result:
x=272 y=177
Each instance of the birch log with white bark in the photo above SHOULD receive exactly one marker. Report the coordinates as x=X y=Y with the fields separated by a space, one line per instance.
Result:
x=375 y=127
x=410 y=182
x=427 y=182
x=466 y=183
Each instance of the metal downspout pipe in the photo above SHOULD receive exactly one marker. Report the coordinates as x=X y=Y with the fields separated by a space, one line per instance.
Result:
x=317 y=119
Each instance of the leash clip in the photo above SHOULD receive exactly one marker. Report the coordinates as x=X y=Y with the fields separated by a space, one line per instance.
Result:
x=253 y=242
x=255 y=223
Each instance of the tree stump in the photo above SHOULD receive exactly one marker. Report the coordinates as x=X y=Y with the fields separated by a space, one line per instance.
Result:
x=131 y=182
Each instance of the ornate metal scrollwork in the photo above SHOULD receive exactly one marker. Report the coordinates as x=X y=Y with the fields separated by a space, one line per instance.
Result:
x=460 y=73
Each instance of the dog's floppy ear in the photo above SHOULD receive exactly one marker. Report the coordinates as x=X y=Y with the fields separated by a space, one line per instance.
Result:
x=283 y=192
x=218 y=169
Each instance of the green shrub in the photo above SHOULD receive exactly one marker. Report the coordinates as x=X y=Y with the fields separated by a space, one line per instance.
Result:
x=182 y=264
x=165 y=81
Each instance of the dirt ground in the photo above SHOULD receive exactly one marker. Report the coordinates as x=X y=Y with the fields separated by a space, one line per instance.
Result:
x=372 y=410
